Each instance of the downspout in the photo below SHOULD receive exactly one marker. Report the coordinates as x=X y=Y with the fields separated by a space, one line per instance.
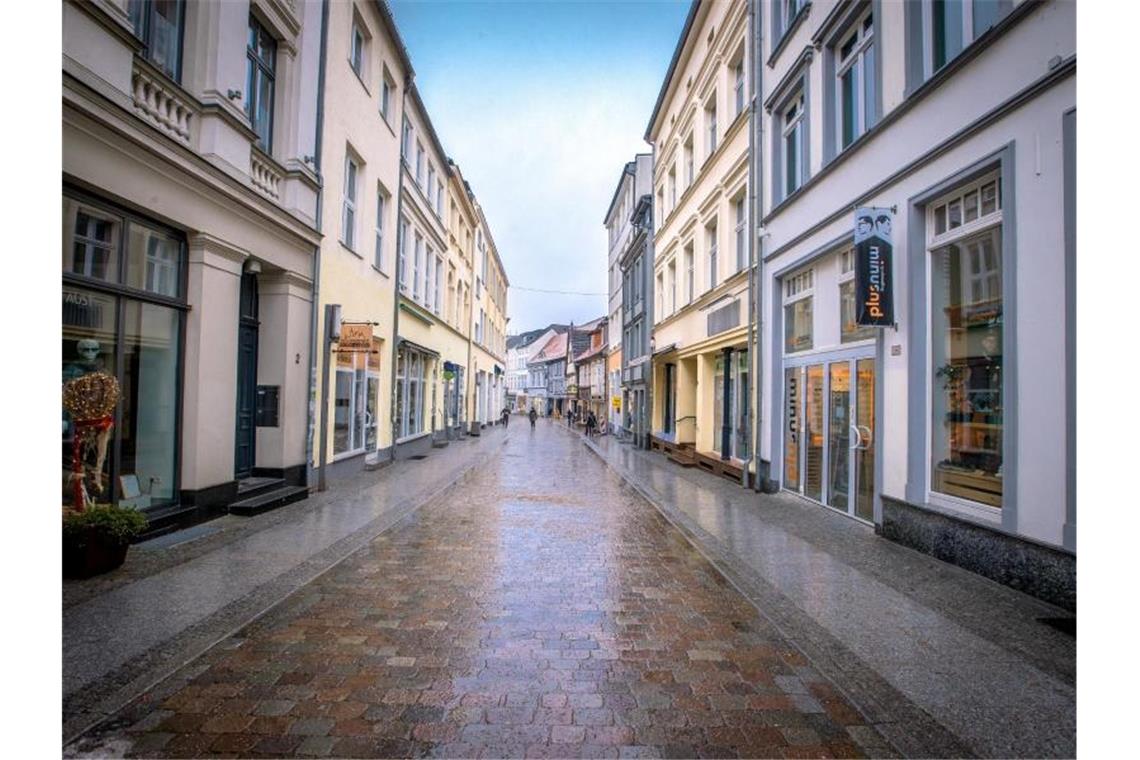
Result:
x=467 y=373
x=647 y=287
x=315 y=315
x=400 y=243
x=756 y=240
x=752 y=352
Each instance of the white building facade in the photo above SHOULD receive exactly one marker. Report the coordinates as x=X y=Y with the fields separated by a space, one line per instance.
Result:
x=953 y=431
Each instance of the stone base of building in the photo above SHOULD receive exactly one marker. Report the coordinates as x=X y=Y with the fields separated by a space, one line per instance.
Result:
x=1042 y=571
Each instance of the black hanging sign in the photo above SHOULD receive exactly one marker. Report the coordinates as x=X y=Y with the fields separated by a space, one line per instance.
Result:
x=874 y=302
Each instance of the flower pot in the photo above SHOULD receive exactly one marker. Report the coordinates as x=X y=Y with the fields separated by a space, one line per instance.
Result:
x=93 y=555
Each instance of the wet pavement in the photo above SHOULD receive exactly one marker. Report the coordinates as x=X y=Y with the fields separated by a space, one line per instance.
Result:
x=944 y=662
x=542 y=609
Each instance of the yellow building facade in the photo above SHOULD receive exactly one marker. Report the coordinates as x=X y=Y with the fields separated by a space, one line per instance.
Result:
x=366 y=73
x=699 y=133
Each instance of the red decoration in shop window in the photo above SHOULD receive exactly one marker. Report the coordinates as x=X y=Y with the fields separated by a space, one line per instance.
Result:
x=90 y=400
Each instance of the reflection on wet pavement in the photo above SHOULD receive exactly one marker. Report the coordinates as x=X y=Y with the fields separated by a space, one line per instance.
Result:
x=542 y=609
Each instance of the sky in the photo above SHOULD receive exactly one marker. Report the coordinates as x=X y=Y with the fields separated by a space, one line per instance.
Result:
x=541 y=104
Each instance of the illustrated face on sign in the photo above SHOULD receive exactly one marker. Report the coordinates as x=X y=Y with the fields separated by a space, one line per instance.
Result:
x=863 y=226
x=883 y=227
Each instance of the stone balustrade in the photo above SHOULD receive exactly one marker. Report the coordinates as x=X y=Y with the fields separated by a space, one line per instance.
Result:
x=161 y=104
x=264 y=175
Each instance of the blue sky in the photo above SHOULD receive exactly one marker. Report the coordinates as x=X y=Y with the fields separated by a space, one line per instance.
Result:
x=541 y=104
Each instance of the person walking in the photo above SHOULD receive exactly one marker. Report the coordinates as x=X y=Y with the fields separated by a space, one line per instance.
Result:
x=506 y=417
x=591 y=424
x=532 y=416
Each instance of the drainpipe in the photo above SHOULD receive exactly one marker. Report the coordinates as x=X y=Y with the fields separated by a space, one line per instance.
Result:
x=314 y=315
x=650 y=253
x=752 y=351
x=400 y=242
x=755 y=239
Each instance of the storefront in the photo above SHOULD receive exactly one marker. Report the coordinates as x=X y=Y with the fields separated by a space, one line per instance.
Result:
x=356 y=416
x=124 y=305
x=416 y=375
x=731 y=391
x=828 y=419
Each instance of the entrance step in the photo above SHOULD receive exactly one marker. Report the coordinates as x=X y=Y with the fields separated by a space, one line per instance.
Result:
x=681 y=458
x=257 y=485
x=263 y=502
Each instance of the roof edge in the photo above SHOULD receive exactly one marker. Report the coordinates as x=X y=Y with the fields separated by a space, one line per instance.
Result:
x=672 y=68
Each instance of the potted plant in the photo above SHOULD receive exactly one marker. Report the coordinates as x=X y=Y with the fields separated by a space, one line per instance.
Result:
x=96 y=540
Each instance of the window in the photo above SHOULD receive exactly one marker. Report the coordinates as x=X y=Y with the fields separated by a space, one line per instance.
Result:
x=159 y=24
x=710 y=233
x=94 y=243
x=855 y=82
x=791 y=10
x=406 y=143
x=741 y=248
x=439 y=199
x=672 y=189
x=793 y=153
x=660 y=207
x=438 y=307
x=738 y=87
x=798 y=312
x=411 y=376
x=418 y=252
x=949 y=26
x=386 y=87
x=710 y=124
x=402 y=257
x=420 y=164
x=429 y=278
x=356 y=53
x=261 y=64
x=380 y=204
x=848 y=330
x=348 y=215
x=357 y=389
x=672 y=286
x=430 y=182
x=688 y=157
x=690 y=278
x=966 y=346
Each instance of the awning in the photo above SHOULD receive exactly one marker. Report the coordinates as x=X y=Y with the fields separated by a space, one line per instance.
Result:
x=416 y=347
x=668 y=349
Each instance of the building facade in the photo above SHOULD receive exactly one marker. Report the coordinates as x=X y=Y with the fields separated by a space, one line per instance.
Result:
x=489 y=328
x=189 y=242
x=366 y=77
x=699 y=131
x=951 y=430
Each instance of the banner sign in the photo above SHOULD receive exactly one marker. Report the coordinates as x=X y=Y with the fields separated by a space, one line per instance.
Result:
x=874 y=301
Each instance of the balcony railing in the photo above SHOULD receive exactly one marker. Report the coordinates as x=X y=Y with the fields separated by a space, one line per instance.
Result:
x=160 y=103
x=264 y=174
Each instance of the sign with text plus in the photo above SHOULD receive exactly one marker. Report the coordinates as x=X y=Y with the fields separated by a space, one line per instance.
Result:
x=874 y=248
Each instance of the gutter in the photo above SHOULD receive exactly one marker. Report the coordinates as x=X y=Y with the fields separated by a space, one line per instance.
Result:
x=400 y=243
x=752 y=350
x=315 y=315
x=756 y=239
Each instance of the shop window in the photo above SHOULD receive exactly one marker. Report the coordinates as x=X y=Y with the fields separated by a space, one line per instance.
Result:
x=849 y=331
x=159 y=24
x=410 y=380
x=966 y=331
x=798 y=312
x=130 y=457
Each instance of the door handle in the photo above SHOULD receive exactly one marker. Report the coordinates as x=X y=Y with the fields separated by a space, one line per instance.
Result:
x=858 y=437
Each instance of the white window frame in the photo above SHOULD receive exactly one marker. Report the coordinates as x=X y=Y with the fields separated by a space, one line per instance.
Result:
x=385 y=96
x=348 y=208
x=967 y=7
x=420 y=164
x=710 y=124
x=798 y=287
x=380 y=203
x=406 y=143
x=856 y=63
x=430 y=183
x=689 y=161
x=417 y=263
x=738 y=87
x=711 y=236
x=791 y=127
x=438 y=284
x=690 y=272
x=741 y=240
x=429 y=276
x=934 y=242
x=356 y=54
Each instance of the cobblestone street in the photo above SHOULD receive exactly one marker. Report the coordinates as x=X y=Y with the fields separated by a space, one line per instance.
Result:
x=542 y=609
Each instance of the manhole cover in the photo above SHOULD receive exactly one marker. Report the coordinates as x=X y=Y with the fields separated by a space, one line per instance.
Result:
x=1063 y=624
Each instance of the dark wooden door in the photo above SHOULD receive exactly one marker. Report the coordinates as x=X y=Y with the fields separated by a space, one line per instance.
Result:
x=244 y=443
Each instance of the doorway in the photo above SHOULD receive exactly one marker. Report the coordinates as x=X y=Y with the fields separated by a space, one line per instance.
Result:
x=245 y=440
x=829 y=431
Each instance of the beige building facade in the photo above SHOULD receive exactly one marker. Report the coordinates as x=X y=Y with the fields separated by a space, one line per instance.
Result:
x=699 y=131
x=189 y=241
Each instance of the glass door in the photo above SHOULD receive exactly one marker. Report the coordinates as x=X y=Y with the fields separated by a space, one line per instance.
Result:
x=829 y=433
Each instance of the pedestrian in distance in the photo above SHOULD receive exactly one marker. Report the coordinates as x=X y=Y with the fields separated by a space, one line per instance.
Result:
x=591 y=424
x=506 y=417
x=533 y=415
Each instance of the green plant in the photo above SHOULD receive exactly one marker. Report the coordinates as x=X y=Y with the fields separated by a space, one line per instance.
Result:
x=110 y=523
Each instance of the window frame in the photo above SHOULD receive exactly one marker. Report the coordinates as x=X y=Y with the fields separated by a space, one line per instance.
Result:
x=793 y=128
x=145 y=17
x=348 y=201
x=256 y=70
x=711 y=125
x=855 y=62
x=712 y=235
x=357 y=58
x=381 y=202
x=795 y=287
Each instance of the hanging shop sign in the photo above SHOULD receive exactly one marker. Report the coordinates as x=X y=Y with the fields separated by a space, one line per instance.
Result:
x=355 y=336
x=874 y=248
